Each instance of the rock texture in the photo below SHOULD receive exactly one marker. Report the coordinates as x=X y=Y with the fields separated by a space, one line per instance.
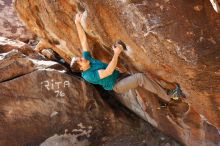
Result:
x=177 y=41
x=41 y=101
x=10 y=25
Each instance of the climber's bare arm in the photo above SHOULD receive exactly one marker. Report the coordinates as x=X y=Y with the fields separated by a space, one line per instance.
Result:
x=81 y=32
x=110 y=68
x=112 y=65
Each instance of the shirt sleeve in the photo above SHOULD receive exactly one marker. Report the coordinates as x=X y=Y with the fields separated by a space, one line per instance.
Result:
x=95 y=75
x=92 y=77
x=87 y=55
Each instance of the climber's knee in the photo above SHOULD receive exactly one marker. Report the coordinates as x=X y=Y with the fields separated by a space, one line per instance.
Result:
x=139 y=75
x=140 y=78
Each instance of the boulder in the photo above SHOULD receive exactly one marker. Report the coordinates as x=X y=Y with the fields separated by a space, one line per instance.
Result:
x=7 y=45
x=175 y=41
x=10 y=25
x=42 y=103
x=19 y=59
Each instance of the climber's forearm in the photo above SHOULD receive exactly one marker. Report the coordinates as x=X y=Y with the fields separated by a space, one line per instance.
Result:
x=112 y=65
x=110 y=68
x=82 y=37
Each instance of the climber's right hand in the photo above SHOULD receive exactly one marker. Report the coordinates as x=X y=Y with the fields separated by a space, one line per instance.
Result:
x=117 y=49
x=78 y=17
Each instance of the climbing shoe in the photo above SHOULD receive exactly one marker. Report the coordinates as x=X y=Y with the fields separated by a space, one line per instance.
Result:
x=176 y=93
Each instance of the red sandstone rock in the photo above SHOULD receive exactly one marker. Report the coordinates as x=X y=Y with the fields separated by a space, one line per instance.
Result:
x=172 y=40
x=18 y=59
x=64 y=140
x=39 y=99
x=43 y=103
x=10 y=25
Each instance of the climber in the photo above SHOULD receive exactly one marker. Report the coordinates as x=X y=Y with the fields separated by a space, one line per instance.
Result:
x=106 y=75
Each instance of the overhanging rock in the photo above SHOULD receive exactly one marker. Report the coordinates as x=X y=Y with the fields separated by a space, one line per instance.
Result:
x=178 y=42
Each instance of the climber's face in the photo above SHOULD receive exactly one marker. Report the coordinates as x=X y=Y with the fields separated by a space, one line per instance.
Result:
x=83 y=63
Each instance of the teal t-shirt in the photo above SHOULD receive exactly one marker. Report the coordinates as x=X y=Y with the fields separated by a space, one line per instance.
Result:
x=92 y=76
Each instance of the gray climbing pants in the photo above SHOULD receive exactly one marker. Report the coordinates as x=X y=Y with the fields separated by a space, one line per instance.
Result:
x=142 y=80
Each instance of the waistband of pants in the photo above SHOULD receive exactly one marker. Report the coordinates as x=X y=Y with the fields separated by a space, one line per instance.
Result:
x=122 y=76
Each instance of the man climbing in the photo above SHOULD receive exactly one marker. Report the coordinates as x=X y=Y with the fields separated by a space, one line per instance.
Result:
x=106 y=75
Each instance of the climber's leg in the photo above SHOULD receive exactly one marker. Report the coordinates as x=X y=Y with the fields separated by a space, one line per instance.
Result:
x=165 y=85
x=126 y=84
x=140 y=79
x=173 y=89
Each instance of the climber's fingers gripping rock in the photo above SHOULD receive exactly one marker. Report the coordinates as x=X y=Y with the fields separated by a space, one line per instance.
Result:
x=117 y=49
x=78 y=17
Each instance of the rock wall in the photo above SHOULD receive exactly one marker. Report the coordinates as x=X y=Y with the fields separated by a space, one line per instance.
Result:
x=177 y=41
x=10 y=25
x=41 y=101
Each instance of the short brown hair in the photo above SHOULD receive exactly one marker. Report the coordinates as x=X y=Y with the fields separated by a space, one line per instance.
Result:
x=120 y=42
x=74 y=65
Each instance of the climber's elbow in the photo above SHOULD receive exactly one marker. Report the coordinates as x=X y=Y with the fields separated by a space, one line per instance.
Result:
x=104 y=73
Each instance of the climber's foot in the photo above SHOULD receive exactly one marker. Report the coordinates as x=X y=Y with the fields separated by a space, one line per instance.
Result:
x=176 y=93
